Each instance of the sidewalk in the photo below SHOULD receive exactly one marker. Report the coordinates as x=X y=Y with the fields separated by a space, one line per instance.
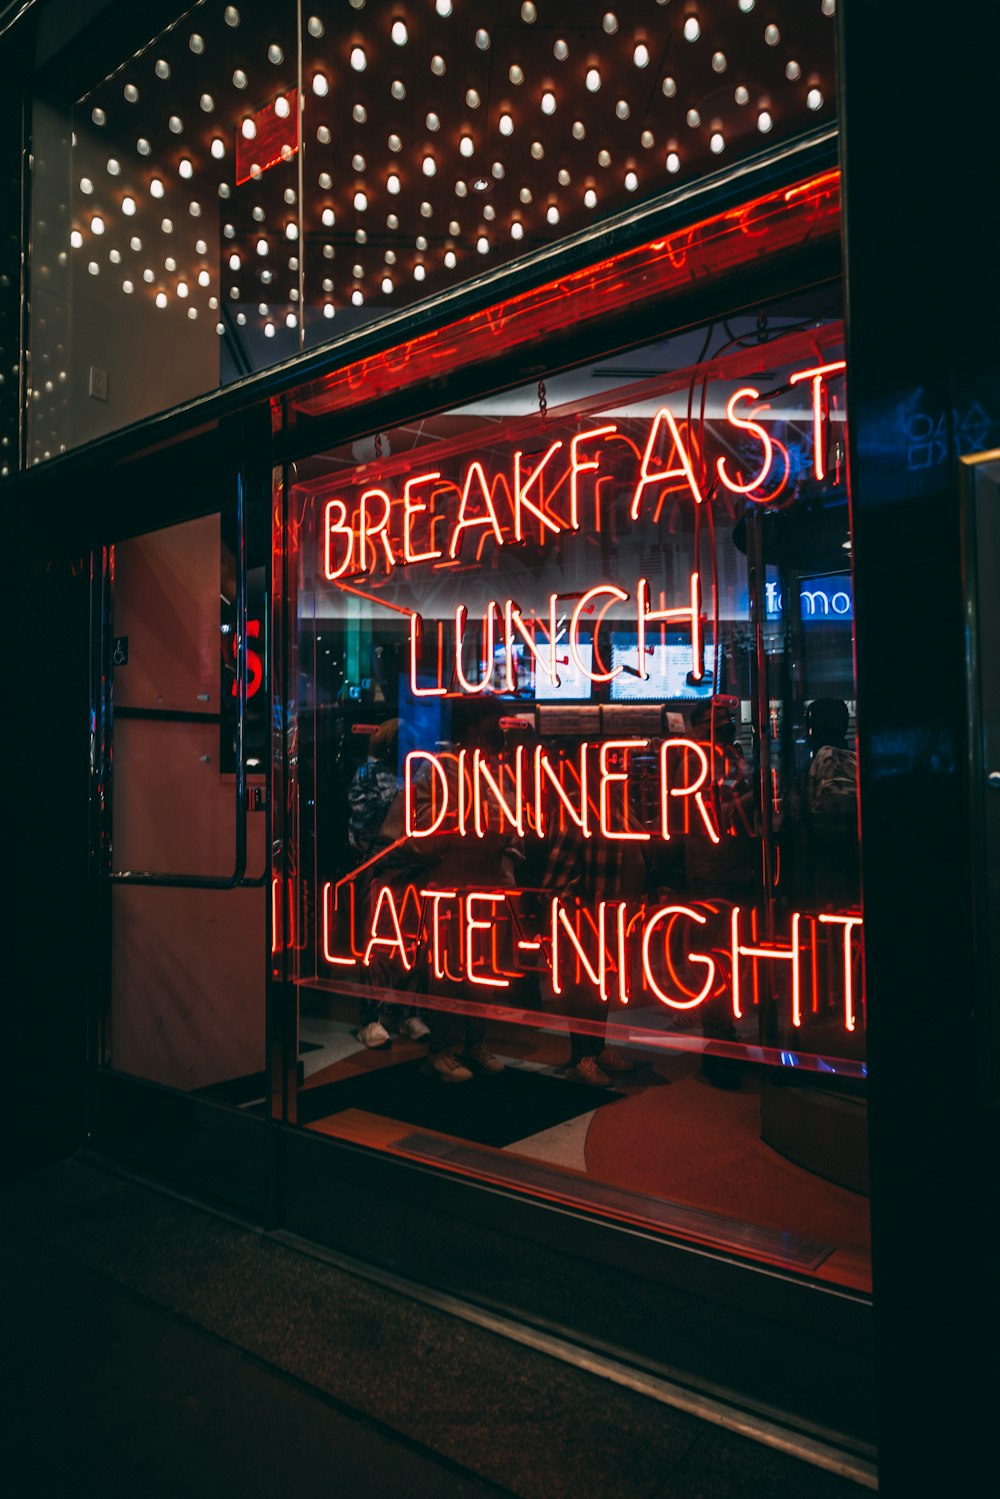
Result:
x=151 y=1348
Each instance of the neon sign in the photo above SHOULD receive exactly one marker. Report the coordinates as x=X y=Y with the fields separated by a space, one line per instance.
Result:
x=629 y=793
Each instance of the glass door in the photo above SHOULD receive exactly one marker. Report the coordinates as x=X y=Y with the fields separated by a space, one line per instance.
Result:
x=181 y=726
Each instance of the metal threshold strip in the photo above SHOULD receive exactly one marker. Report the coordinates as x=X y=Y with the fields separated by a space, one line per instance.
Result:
x=719 y=1407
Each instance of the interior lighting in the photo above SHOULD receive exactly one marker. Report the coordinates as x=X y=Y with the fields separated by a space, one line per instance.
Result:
x=450 y=259
x=395 y=144
x=482 y=39
x=398 y=89
x=387 y=285
x=562 y=176
x=814 y=99
x=560 y=50
x=315 y=27
x=192 y=313
x=268 y=330
x=742 y=94
x=275 y=54
x=717 y=142
x=128 y=207
x=76 y=239
x=98 y=116
x=792 y=71
x=428 y=166
x=182 y=288
x=669 y=87
x=443 y=8
x=282 y=107
x=358 y=162
x=323 y=135
x=161 y=299
x=466 y=145
x=461 y=189
x=135 y=242
x=506 y=125
x=472 y=99
x=622 y=109
x=528 y=12
x=206 y=103
x=399 y=33
x=746 y=6
x=772 y=35
x=829 y=7
x=204 y=279
x=537 y=150
x=517 y=229
x=128 y=287
x=358 y=59
x=360 y=201
x=764 y=121
x=167 y=225
x=142 y=146
x=320 y=85
x=631 y=182
x=357 y=297
x=291 y=321
x=419 y=271
x=673 y=162
x=646 y=140
x=425 y=210
x=148 y=276
x=516 y=74
x=590 y=198
x=693 y=118
x=131 y=93
x=437 y=65
x=552 y=214
x=610 y=22
x=184 y=167
x=196 y=43
x=156 y=188
x=239 y=78
x=548 y=102
x=328 y=309
x=262 y=247
x=360 y=114
x=483 y=245
x=604 y=158
x=86 y=186
x=579 y=130
x=392 y=183
x=719 y=63
x=234 y=261
x=692 y=29
x=175 y=125
x=248 y=129
x=114 y=166
x=161 y=68
x=640 y=56
x=232 y=15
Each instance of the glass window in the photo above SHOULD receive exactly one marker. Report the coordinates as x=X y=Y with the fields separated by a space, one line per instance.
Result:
x=220 y=194
x=575 y=905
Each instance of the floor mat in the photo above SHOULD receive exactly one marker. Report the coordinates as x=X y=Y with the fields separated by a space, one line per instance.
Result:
x=488 y=1111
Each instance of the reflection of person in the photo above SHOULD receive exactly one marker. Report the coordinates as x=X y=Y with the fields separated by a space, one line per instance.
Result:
x=372 y=792
x=464 y=864
x=832 y=797
x=725 y=871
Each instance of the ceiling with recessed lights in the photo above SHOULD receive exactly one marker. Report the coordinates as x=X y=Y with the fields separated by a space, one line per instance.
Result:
x=281 y=187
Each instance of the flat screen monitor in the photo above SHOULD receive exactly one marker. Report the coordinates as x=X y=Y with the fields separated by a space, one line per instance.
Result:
x=573 y=685
x=667 y=665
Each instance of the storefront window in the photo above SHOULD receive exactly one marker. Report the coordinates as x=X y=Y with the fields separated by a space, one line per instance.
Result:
x=574 y=903
x=216 y=194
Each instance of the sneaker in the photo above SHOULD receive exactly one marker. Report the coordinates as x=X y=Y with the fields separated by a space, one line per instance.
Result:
x=610 y=1060
x=587 y=1071
x=413 y=1028
x=447 y=1068
x=482 y=1061
x=374 y=1036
